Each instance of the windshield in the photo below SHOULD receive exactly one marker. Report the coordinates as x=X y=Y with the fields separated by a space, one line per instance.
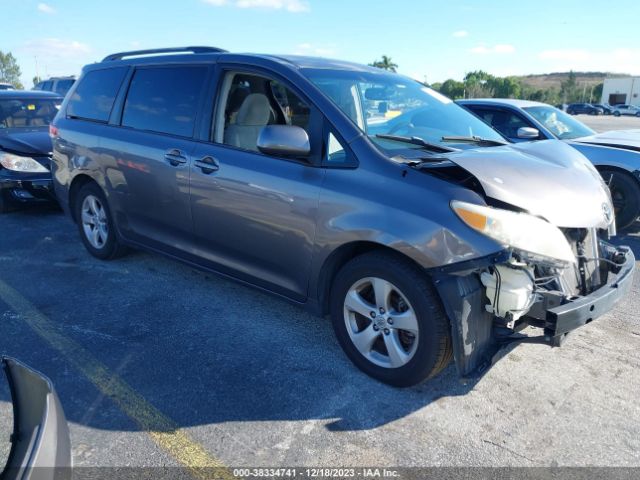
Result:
x=389 y=104
x=559 y=123
x=27 y=113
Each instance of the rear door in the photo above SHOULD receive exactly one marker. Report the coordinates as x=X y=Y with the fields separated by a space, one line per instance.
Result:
x=149 y=151
x=254 y=215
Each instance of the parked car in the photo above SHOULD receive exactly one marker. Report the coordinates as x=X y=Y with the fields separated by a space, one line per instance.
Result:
x=577 y=108
x=423 y=235
x=626 y=110
x=6 y=86
x=59 y=85
x=25 y=147
x=615 y=155
x=606 y=108
x=40 y=442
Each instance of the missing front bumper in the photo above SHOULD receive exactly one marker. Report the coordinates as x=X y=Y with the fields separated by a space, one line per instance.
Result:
x=477 y=337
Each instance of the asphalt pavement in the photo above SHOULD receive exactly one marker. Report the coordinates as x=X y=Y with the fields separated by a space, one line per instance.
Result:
x=158 y=364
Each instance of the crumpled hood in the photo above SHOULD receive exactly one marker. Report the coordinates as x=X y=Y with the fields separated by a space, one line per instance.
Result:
x=628 y=139
x=546 y=178
x=34 y=142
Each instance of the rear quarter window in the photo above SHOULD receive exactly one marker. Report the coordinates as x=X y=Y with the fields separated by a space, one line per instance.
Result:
x=63 y=86
x=164 y=99
x=94 y=97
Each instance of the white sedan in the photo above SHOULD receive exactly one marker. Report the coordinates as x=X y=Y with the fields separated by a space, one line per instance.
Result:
x=626 y=110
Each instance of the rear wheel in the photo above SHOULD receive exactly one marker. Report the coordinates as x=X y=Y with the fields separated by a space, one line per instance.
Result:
x=95 y=223
x=638 y=114
x=616 y=114
x=389 y=320
x=625 y=194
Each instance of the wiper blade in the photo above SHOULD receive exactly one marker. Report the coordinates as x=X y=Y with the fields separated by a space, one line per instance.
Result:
x=434 y=147
x=474 y=139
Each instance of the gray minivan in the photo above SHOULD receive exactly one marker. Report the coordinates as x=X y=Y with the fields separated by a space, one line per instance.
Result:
x=358 y=193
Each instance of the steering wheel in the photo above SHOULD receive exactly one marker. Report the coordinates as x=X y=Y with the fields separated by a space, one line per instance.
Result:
x=400 y=126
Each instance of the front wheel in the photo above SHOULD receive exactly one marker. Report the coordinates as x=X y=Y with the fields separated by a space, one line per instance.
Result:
x=389 y=320
x=638 y=114
x=625 y=194
x=616 y=114
x=95 y=223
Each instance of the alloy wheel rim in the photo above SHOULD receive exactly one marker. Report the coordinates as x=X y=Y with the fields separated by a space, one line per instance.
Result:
x=381 y=322
x=94 y=222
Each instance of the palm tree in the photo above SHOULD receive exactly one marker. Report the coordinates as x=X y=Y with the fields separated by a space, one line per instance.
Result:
x=385 y=63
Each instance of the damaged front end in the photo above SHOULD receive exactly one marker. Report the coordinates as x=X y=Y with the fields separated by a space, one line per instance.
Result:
x=491 y=301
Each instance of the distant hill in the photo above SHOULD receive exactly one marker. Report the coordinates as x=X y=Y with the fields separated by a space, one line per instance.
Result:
x=553 y=80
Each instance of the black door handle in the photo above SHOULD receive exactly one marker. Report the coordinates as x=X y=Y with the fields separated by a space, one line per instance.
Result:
x=175 y=157
x=207 y=165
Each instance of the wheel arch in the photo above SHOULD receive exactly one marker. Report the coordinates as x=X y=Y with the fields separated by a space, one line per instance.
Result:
x=338 y=258
x=616 y=168
x=77 y=183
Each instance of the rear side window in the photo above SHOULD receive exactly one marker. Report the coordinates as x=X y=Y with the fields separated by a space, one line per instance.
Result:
x=94 y=97
x=63 y=86
x=164 y=100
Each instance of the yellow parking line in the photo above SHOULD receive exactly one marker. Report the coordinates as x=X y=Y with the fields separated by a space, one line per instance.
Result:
x=162 y=430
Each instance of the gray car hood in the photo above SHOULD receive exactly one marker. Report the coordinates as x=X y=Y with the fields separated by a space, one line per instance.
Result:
x=547 y=178
x=628 y=139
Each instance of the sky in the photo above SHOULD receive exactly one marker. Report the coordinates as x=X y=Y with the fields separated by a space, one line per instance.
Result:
x=429 y=40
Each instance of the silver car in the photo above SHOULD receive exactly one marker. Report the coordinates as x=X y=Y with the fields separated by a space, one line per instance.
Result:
x=616 y=155
x=631 y=110
x=356 y=193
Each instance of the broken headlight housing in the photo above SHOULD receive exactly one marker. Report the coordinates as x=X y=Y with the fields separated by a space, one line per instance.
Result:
x=533 y=238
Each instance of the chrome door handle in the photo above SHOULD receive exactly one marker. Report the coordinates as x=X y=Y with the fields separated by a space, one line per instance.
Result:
x=175 y=157
x=207 y=165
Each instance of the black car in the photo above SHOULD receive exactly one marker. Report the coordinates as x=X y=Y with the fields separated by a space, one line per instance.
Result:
x=25 y=146
x=606 y=109
x=576 y=108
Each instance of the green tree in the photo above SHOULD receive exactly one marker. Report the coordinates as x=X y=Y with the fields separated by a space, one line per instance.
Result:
x=505 y=87
x=385 y=63
x=452 y=89
x=9 y=69
x=478 y=84
x=569 y=90
x=596 y=93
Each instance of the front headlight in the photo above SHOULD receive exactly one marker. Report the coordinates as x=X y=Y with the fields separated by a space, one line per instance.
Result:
x=520 y=231
x=21 y=164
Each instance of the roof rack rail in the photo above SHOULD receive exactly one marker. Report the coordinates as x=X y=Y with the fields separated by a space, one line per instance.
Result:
x=154 y=51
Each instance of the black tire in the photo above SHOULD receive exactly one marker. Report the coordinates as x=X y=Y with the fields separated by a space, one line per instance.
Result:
x=638 y=114
x=625 y=193
x=570 y=112
x=616 y=114
x=112 y=247
x=433 y=351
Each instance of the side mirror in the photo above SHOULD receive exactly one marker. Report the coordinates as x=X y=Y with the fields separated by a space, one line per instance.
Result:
x=528 y=133
x=284 y=140
x=40 y=444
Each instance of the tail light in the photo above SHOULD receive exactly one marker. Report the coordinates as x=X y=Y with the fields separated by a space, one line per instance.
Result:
x=53 y=131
